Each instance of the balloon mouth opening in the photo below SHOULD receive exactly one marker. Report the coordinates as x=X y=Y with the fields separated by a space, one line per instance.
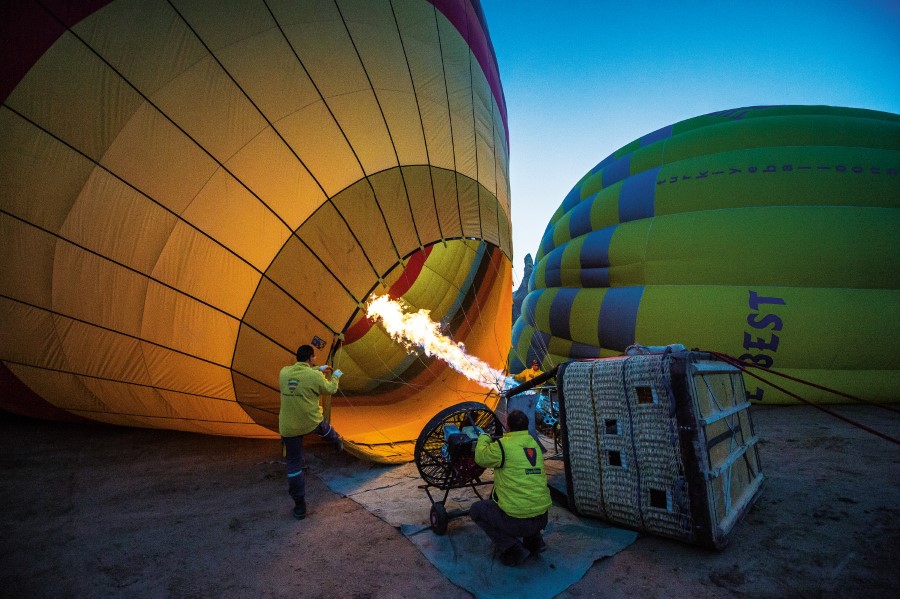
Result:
x=465 y=267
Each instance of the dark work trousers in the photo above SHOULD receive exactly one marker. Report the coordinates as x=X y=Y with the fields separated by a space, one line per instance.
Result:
x=505 y=531
x=293 y=458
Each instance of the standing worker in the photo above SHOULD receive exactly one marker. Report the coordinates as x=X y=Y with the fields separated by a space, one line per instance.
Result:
x=301 y=385
x=519 y=502
x=529 y=373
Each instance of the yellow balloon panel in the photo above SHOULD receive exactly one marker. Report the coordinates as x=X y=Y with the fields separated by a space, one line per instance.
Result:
x=196 y=264
x=105 y=204
x=41 y=178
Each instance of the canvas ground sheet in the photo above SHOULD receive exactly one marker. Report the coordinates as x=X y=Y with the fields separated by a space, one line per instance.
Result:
x=465 y=554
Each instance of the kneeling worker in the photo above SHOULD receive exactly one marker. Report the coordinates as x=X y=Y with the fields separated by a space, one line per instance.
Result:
x=519 y=502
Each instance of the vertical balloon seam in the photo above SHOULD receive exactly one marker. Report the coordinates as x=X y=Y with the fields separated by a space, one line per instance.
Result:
x=421 y=121
x=465 y=27
x=497 y=208
x=387 y=129
x=366 y=176
x=470 y=57
x=482 y=47
x=496 y=191
x=472 y=88
x=56 y=313
x=201 y=147
x=147 y=276
x=346 y=139
x=437 y=26
x=58 y=236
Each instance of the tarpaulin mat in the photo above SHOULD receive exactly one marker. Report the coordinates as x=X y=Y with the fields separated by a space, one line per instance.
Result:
x=465 y=555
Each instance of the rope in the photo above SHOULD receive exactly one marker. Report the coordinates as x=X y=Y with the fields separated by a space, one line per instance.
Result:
x=743 y=367
x=812 y=384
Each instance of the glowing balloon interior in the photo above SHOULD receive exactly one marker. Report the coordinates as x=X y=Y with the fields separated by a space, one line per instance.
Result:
x=192 y=189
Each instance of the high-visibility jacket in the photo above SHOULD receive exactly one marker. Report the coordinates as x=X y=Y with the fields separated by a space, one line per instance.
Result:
x=528 y=374
x=520 y=482
x=301 y=385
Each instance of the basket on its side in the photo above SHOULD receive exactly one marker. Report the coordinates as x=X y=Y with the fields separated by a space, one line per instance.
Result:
x=661 y=443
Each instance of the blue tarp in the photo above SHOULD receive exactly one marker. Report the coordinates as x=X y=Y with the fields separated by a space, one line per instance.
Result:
x=465 y=554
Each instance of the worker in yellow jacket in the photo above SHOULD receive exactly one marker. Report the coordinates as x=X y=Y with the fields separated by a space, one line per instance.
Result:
x=301 y=385
x=516 y=513
x=529 y=373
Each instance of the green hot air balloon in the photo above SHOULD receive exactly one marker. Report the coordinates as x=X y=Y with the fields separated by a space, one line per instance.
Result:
x=769 y=233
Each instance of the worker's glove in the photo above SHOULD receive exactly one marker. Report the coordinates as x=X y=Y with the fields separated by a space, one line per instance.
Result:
x=337 y=374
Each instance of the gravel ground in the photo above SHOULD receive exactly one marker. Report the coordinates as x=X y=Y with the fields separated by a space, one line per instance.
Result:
x=92 y=511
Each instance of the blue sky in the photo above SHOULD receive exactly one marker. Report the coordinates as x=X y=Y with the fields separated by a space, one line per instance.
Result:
x=583 y=78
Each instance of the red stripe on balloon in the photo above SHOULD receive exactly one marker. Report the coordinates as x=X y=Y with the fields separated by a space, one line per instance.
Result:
x=402 y=285
x=466 y=16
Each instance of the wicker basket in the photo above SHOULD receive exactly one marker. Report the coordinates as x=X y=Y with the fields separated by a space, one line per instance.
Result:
x=659 y=442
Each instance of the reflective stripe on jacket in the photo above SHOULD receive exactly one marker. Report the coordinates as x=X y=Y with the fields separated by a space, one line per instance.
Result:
x=520 y=482
x=301 y=385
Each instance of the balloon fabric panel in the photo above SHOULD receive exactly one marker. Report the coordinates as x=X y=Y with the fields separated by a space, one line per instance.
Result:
x=195 y=192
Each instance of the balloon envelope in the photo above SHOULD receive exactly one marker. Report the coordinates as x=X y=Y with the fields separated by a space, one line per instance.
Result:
x=194 y=189
x=767 y=233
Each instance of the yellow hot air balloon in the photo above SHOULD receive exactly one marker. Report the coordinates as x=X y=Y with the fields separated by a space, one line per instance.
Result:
x=192 y=189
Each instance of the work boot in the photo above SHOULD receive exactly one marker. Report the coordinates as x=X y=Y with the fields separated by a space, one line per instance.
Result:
x=514 y=556
x=300 y=510
x=535 y=544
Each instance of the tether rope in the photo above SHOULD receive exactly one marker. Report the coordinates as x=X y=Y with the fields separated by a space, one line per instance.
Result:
x=743 y=366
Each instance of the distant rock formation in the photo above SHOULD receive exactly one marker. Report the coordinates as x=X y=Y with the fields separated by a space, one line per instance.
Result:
x=520 y=293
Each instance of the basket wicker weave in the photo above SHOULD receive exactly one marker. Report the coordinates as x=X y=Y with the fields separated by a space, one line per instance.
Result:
x=661 y=443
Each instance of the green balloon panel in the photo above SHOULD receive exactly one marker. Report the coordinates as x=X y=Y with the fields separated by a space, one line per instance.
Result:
x=766 y=233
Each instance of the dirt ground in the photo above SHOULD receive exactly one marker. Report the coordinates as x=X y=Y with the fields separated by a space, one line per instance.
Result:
x=94 y=511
